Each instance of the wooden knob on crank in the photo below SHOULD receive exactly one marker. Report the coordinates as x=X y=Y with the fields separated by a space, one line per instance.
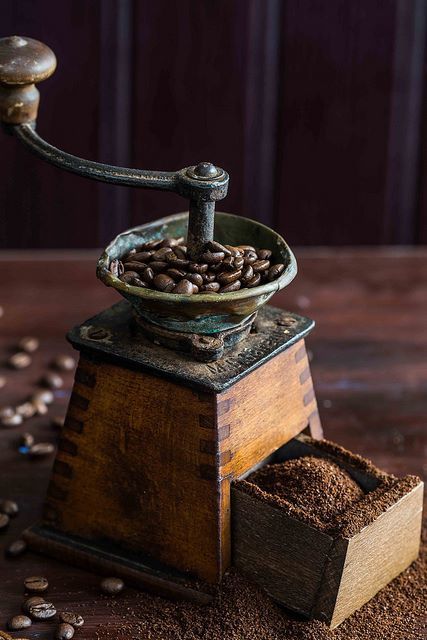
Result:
x=23 y=63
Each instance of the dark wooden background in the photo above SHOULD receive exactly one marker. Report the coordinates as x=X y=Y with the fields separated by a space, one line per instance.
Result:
x=315 y=107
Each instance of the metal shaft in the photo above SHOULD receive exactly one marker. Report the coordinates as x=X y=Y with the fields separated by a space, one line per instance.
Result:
x=200 y=227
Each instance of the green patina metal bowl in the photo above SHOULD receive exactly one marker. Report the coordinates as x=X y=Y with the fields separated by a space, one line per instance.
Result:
x=199 y=313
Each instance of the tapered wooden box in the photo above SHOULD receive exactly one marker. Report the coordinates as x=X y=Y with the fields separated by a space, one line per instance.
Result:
x=321 y=576
x=153 y=439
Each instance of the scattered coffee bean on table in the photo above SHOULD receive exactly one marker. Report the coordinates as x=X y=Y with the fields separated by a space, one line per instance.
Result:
x=71 y=618
x=64 y=631
x=26 y=410
x=165 y=266
x=16 y=548
x=29 y=344
x=41 y=449
x=12 y=421
x=112 y=586
x=19 y=622
x=4 y=521
x=20 y=360
x=3 y=381
x=9 y=507
x=36 y=584
x=52 y=381
x=64 y=363
x=42 y=611
x=26 y=440
x=58 y=422
x=45 y=397
x=29 y=602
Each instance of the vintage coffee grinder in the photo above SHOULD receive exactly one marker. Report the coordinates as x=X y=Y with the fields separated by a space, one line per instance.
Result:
x=175 y=396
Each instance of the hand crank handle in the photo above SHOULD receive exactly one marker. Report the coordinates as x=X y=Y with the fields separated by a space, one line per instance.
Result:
x=24 y=62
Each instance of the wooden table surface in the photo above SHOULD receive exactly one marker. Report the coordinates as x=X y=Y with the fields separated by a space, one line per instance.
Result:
x=369 y=364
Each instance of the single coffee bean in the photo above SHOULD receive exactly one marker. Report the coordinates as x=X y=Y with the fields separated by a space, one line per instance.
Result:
x=52 y=381
x=138 y=267
x=12 y=421
x=29 y=602
x=246 y=247
x=147 y=275
x=29 y=344
x=3 y=381
x=227 y=277
x=174 y=261
x=64 y=363
x=208 y=277
x=216 y=268
x=20 y=360
x=264 y=254
x=157 y=267
x=64 y=631
x=4 y=521
x=177 y=274
x=213 y=257
x=172 y=242
x=197 y=267
x=142 y=256
x=254 y=282
x=74 y=619
x=6 y=412
x=112 y=586
x=36 y=584
x=57 y=422
x=41 y=449
x=195 y=288
x=26 y=410
x=250 y=257
x=128 y=276
x=260 y=265
x=239 y=262
x=26 y=440
x=116 y=268
x=228 y=263
x=216 y=247
x=46 y=397
x=40 y=407
x=247 y=274
x=275 y=270
x=185 y=287
x=162 y=254
x=9 y=507
x=137 y=282
x=42 y=611
x=234 y=286
x=235 y=251
x=16 y=548
x=19 y=622
x=195 y=278
x=210 y=287
x=180 y=252
x=162 y=282
x=151 y=244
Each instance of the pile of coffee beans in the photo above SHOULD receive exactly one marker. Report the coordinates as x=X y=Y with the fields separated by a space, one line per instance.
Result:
x=164 y=265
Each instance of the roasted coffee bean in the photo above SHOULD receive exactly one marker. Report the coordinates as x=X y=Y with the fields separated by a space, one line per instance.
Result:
x=29 y=602
x=46 y=397
x=197 y=267
x=176 y=274
x=74 y=619
x=9 y=507
x=185 y=287
x=215 y=268
x=16 y=548
x=234 y=286
x=175 y=261
x=29 y=344
x=137 y=282
x=26 y=440
x=13 y=421
x=213 y=257
x=216 y=247
x=208 y=277
x=250 y=257
x=210 y=287
x=247 y=274
x=264 y=254
x=4 y=521
x=172 y=242
x=64 y=631
x=162 y=254
x=195 y=288
x=116 y=268
x=128 y=276
x=40 y=407
x=180 y=252
x=260 y=265
x=42 y=611
x=165 y=283
x=20 y=360
x=7 y=636
x=64 y=363
x=157 y=267
x=147 y=275
x=234 y=250
x=228 y=263
x=138 y=267
x=254 y=282
x=227 y=277
x=112 y=586
x=151 y=244
x=239 y=262
x=19 y=622
x=195 y=278
x=36 y=584
x=6 y=412
x=246 y=247
x=275 y=270
x=52 y=381
x=57 y=422
x=3 y=381
x=26 y=410
x=41 y=449
x=141 y=256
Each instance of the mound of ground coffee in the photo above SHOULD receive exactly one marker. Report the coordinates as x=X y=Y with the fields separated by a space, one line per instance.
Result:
x=313 y=488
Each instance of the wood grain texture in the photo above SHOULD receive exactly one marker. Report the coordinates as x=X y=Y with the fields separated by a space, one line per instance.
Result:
x=367 y=355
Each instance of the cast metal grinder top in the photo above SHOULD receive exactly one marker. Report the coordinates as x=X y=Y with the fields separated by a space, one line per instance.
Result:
x=23 y=63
